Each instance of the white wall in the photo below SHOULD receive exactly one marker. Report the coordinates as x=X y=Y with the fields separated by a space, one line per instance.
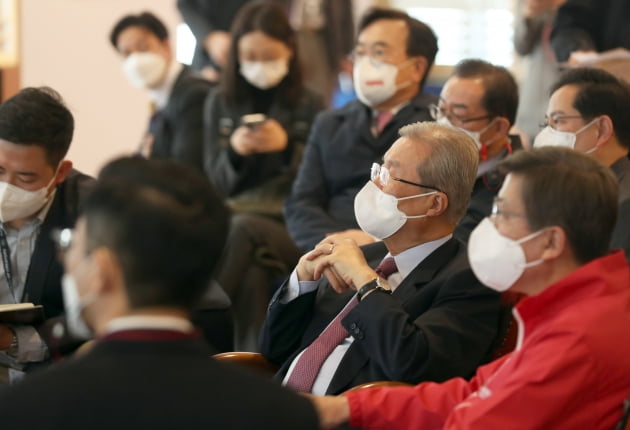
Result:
x=65 y=45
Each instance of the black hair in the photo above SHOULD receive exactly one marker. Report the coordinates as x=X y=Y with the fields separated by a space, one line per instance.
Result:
x=271 y=19
x=165 y=224
x=501 y=91
x=38 y=116
x=145 y=20
x=421 y=41
x=599 y=93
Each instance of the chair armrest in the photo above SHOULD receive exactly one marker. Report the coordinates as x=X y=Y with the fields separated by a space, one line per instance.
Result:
x=252 y=360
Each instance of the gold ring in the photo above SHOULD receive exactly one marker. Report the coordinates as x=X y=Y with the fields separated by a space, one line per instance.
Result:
x=332 y=246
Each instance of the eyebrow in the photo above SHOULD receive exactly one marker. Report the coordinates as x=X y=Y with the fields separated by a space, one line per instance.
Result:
x=454 y=105
x=375 y=44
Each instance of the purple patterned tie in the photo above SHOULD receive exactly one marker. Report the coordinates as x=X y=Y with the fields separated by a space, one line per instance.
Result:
x=386 y=268
x=310 y=362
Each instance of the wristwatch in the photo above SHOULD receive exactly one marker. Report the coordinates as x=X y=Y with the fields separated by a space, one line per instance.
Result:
x=377 y=283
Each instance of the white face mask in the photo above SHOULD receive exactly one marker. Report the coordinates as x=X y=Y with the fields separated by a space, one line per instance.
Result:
x=265 y=74
x=74 y=305
x=17 y=203
x=496 y=260
x=144 y=69
x=375 y=81
x=377 y=212
x=549 y=136
x=476 y=135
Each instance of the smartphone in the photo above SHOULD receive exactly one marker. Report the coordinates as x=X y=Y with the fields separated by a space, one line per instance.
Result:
x=253 y=119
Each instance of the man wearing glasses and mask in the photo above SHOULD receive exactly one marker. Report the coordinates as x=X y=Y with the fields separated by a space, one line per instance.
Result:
x=548 y=238
x=404 y=309
x=392 y=59
x=39 y=191
x=588 y=112
x=481 y=99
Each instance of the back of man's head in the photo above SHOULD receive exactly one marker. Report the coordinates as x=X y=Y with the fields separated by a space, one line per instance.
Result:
x=164 y=223
x=452 y=163
x=38 y=116
x=565 y=188
x=599 y=93
x=421 y=40
x=145 y=20
x=501 y=91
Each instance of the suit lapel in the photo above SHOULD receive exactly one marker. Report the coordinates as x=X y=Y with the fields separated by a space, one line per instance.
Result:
x=426 y=270
x=43 y=256
x=356 y=358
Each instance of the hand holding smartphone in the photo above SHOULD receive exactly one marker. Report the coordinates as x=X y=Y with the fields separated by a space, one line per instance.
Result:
x=253 y=120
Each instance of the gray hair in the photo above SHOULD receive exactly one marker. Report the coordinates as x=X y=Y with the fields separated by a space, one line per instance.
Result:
x=452 y=163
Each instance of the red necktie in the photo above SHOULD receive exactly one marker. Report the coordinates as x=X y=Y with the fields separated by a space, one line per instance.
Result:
x=386 y=268
x=310 y=362
x=382 y=119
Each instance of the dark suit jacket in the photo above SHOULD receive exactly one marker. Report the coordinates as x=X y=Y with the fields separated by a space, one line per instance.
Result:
x=179 y=130
x=439 y=323
x=621 y=233
x=336 y=165
x=596 y=25
x=43 y=282
x=485 y=188
x=151 y=385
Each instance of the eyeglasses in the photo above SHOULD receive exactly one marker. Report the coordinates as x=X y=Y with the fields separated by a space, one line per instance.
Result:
x=497 y=212
x=437 y=113
x=62 y=238
x=382 y=173
x=377 y=54
x=555 y=120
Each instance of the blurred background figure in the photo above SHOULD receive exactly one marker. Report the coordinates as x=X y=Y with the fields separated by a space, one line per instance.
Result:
x=325 y=29
x=175 y=128
x=256 y=125
x=591 y=25
x=532 y=40
x=210 y=22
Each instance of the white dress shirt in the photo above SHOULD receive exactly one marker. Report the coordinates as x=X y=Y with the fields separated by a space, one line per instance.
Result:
x=406 y=261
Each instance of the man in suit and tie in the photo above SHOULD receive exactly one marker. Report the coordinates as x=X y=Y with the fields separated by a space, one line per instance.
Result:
x=175 y=129
x=422 y=316
x=139 y=259
x=39 y=191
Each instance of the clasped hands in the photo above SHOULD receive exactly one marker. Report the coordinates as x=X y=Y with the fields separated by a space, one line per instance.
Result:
x=340 y=260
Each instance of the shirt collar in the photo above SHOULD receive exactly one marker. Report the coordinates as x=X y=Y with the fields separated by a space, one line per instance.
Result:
x=161 y=94
x=393 y=110
x=407 y=260
x=152 y=322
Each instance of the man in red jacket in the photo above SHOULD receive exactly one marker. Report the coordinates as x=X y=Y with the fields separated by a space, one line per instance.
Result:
x=548 y=238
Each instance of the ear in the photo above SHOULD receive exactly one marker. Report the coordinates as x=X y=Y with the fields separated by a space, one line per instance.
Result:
x=605 y=130
x=421 y=66
x=108 y=271
x=439 y=204
x=555 y=243
x=502 y=126
x=65 y=167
